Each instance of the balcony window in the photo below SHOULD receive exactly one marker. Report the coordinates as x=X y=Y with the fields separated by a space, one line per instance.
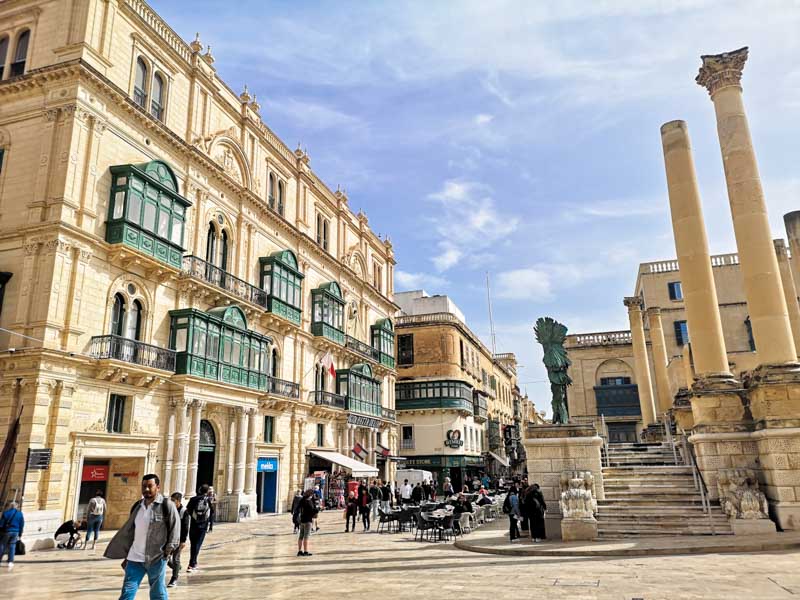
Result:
x=360 y=389
x=20 y=54
x=281 y=279
x=218 y=345
x=269 y=429
x=115 y=420
x=327 y=317
x=407 y=437
x=3 y=54
x=681 y=333
x=405 y=350
x=383 y=341
x=146 y=212
x=140 y=84
x=675 y=290
x=157 y=97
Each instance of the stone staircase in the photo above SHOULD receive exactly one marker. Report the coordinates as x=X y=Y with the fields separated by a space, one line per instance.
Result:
x=648 y=494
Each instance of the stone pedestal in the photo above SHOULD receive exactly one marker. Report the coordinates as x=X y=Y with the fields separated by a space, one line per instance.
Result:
x=681 y=410
x=552 y=449
x=752 y=526
x=236 y=502
x=576 y=530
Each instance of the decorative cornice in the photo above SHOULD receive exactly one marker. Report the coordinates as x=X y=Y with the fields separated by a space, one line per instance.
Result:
x=719 y=71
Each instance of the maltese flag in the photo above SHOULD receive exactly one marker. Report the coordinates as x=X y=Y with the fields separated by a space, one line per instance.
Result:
x=327 y=362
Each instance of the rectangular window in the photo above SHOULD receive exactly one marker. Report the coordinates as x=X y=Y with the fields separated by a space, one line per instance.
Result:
x=116 y=413
x=605 y=381
x=405 y=349
x=377 y=276
x=134 y=207
x=407 y=441
x=675 y=290
x=269 y=429
x=180 y=340
x=177 y=231
x=119 y=205
x=681 y=333
x=323 y=227
x=320 y=435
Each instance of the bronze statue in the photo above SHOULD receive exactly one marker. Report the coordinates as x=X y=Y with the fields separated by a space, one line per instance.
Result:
x=551 y=335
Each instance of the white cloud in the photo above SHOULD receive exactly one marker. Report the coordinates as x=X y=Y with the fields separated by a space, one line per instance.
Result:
x=468 y=223
x=482 y=119
x=414 y=281
x=313 y=115
x=525 y=284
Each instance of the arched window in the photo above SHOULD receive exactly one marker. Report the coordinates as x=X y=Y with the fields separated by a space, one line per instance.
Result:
x=275 y=367
x=280 y=197
x=140 y=83
x=20 y=54
x=118 y=315
x=211 y=243
x=271 y=190
x=157 y=97
x=133 y=324
x=3 y=54
x=223 y=254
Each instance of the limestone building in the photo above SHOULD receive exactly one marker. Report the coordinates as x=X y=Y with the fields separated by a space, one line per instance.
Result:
x=173 y=278
x=459 y=406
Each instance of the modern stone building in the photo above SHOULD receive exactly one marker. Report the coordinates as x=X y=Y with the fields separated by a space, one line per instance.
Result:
x=173 y=276
x=458 y=404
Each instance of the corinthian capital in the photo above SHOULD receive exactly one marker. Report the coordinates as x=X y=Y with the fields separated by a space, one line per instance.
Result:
x=633 y=303
x=722 y=70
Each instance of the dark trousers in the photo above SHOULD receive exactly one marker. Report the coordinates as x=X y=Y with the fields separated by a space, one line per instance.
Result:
x=513 y=529
x=196 y=537
x=211 y=518
x=349 y=518
x=524 y=523
x=176 y=564
x=365 y=516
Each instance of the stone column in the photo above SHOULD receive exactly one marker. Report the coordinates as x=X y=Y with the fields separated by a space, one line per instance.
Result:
x=170 y=447
x=660 y=359
x=250 y=479
x=194 y=447
x=231 y=451
x=182 y=447
x=641 y=363
x=721 y=75
x=792 y=222
x=789 y=293
x=691 y=247
x=241 y=449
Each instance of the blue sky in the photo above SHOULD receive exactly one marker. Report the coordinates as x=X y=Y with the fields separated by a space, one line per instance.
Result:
x=518 y=138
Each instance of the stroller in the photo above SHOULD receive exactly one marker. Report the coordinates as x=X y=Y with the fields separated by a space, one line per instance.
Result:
x=68 y=537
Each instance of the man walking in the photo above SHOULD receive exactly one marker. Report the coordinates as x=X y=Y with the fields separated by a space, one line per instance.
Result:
x=175 y=560
x=199 y=509
x=212 y=502
x=374 y=497
x=386 y=497
x=511 y=508
x=405 y=492
x=308 y=512
x=95 y=512
x=146 y=540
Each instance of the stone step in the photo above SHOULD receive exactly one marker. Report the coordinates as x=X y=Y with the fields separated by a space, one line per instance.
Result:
x=616 y=534
x=650 y=494
x=648 y=470
x=652 y=501
x=650 y=490
x=660 y=520
x=653 y=511
x=675 y=480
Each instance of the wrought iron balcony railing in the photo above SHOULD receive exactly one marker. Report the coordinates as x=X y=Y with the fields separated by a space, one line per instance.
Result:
x=205 y=271
x=406 y=444
x=132 y=351
x=363 y=349
x=389 y=414
x=281 y=387
x=328 y=399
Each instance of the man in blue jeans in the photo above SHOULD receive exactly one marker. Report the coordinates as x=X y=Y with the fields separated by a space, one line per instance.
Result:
x=146 y=540
x=12 y=522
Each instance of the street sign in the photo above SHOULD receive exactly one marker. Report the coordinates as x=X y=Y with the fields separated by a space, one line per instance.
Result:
x=39 y=458
x=267 y=464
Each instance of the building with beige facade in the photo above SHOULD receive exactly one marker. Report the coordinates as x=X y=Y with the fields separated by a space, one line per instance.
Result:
x=173 y=278
x=458 y=404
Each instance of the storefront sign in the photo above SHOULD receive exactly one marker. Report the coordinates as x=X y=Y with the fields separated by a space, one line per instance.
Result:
x=267 y=465
x=362 y=421
x=454 y=439
x=95 y=473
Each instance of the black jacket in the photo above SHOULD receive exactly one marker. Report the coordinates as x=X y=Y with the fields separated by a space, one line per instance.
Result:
x=416 y=494
x=374 y=493
x=386 y=493
x=308 y=510
x=183 y=513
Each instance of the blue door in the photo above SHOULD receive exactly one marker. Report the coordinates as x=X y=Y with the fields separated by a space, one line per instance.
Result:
x=268 y=467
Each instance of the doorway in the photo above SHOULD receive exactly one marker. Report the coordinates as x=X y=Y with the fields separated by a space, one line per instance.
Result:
x=267 y=484
x=619 y=433
x=94 y=478
x=207 y=456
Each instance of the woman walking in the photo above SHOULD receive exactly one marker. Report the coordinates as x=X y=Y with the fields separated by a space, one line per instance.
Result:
x=363 y=505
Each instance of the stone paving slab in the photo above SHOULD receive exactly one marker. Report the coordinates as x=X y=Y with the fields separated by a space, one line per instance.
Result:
x=493 y=539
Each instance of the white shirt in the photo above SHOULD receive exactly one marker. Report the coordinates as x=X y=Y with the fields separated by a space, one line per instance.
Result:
x=97 y=506
x=405 y=491
x=141 y=526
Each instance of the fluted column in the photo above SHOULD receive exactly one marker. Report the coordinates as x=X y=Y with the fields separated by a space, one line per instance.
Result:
x=250 y=479
x=641 y=363
x=194 y=447
x=691 y=247
x=182 y=447
x=660 y=359
x=241 y=449
x=231 y=451
x=789 y=293
x=721 y=75
x=169 y=450
x=792 y=222
x=340 y=439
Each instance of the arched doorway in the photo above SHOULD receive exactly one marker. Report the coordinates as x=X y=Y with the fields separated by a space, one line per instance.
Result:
x=207 y=454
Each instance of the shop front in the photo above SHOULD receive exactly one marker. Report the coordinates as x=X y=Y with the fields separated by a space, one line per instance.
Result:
x=460 y=469
x=334 y=473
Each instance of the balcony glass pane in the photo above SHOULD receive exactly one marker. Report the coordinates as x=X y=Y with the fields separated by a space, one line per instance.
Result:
x=134 y=207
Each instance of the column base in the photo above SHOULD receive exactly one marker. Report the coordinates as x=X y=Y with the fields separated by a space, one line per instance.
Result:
x=681 y=410
x=752 y=526
x=576 y=530
x=724 y=450
x=779 y=451
x=240 y=507
x=718 y=404
x=774 y=392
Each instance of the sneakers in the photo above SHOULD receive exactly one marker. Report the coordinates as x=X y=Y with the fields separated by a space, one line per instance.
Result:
x=172 y=583
x=10 y=566
x=307 y=554
x=301 y=553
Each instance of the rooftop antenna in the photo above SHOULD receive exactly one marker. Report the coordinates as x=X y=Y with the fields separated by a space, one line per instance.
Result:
x=491 y=318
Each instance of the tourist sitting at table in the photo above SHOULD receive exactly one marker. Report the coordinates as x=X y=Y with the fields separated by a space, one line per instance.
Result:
x=483 y=498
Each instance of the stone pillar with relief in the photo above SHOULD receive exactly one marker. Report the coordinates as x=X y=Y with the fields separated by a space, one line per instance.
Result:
x=242 y=497
x=641 y=363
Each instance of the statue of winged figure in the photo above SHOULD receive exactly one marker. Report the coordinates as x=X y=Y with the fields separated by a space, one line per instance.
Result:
x=551 y=335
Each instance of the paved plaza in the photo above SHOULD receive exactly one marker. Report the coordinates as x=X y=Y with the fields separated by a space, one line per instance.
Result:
x=257 y=560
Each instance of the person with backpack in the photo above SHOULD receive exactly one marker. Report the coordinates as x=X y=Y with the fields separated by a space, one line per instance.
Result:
x=146 y=540
x=308 y=512
x=175 y=559
x=212 y=502
x=199 y=509
x=11 y=525
x=511 y=508
x=95 y=512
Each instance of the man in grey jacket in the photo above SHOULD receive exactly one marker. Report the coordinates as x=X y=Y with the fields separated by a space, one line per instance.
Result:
x=146 y=540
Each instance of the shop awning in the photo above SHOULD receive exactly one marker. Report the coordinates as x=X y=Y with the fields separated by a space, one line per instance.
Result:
x=500 y=459
x=358 y=468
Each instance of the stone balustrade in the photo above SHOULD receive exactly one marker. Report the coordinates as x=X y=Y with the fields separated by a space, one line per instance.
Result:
x=602 y=338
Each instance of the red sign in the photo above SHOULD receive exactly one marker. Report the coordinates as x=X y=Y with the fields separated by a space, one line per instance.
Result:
x=95 y=473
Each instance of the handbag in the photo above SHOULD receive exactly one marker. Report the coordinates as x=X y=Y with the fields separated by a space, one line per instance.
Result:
x=20 y=550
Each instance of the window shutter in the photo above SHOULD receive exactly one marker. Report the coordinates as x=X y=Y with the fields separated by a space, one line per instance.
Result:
x=678 y=333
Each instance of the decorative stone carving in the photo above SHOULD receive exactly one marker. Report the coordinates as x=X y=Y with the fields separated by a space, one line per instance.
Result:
x=230 y=165
x=739 y=494
x=722 y=70
x=99 y=425
x=577 y=499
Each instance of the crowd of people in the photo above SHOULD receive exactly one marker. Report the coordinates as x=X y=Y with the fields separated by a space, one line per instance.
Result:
x=526 y=509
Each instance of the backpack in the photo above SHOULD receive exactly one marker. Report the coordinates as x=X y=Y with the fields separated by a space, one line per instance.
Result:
x=202 y=511
x=507 y=505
